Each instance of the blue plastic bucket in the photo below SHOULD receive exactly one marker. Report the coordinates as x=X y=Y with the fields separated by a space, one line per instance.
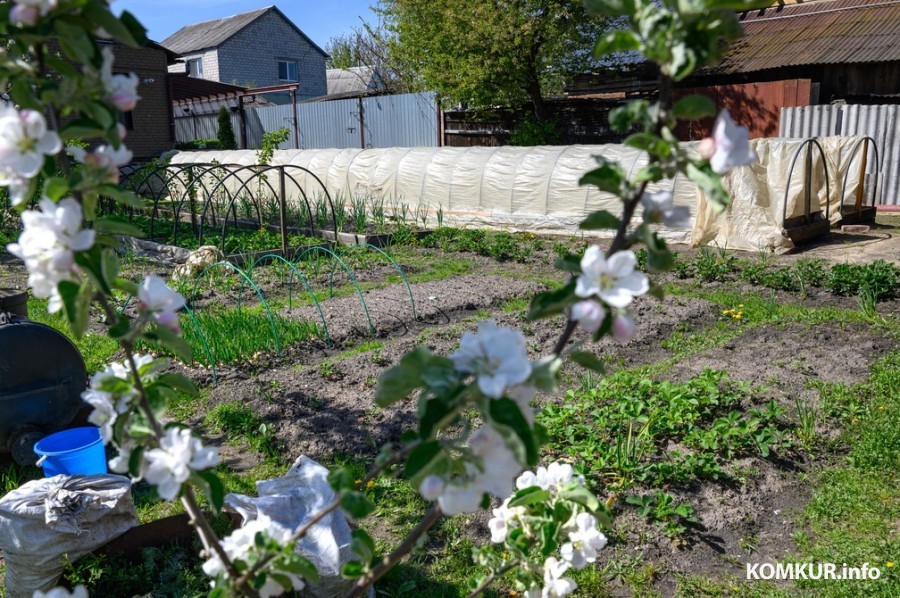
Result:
x=74 y=451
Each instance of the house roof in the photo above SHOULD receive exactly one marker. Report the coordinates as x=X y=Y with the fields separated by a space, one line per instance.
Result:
x=357 y=79
x=824 y=32
x=185 y=87
x=211 y=34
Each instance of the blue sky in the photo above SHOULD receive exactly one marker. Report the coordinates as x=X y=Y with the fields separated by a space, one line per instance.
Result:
x=319 y=19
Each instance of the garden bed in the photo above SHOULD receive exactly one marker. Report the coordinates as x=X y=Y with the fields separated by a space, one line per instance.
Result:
x=802 y=368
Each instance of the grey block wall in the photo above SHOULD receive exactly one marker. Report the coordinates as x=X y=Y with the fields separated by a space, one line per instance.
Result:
x=251 y=55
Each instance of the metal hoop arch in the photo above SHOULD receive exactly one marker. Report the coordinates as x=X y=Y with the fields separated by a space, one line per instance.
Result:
x=361 y=246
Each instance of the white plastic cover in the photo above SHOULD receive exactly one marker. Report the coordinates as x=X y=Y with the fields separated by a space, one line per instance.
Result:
x=536 y=188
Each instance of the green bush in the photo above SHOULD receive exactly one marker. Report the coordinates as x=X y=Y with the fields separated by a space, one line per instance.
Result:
x=198 y=144
x=226 y=132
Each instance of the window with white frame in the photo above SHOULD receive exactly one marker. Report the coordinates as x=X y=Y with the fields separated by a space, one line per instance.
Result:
x=287 y=70
x=195 y=68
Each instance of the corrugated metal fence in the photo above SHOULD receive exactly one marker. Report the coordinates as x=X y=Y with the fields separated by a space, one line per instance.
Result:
x=407 y=120
x=881 y=123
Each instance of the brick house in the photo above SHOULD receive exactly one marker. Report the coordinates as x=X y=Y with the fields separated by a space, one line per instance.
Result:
x=151 y=124
x=259 y=48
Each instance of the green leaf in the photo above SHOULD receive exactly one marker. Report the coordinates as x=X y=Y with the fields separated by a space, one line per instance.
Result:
x=138 y=32
x=98 y=14
x=122 y=196
x=113 y=226
x=609 y=177
x=634 y=113
x=171 y=341
x=550 y=303
x=352 y=570
x=134 y=461
x=362 y=546
x=529 y=496
x=357 y=504
x=569 y=263
x=605 y=8
x=588 y=361
x=214 y=488
x=421 y=457
x=81 y=128
x=396 y=383
x=582 y=496
x=710 y=183
x=74 y=41
x=545 y=373
x=599 y=220
x=93 y=263
x=507 y=413
x=548 y=539
x=651 y=172
x=121 y=328
x=298 y=564
x=56 y=188
x=123 y=284
x=180 y=383
x=617 y=41
x=76 y=303
x=694 y=107
x=650 y=143
x=340 y=480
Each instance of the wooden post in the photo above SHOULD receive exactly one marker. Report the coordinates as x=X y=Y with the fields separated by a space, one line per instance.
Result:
x=282 y=208
x=296 y=122
x=860 y=188
x=243 y=122
x=362 y=124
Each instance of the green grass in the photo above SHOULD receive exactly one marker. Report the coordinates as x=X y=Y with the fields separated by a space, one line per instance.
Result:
x=236 y=335
x=240 y=425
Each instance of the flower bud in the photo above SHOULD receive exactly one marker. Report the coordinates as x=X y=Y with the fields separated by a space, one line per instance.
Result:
x=431 y=487
x=707 y=147
x=623 y=327
x=23 y=16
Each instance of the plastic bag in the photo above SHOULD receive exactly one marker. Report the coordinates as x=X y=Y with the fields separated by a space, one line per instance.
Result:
x=292 y=500
x=48 y=520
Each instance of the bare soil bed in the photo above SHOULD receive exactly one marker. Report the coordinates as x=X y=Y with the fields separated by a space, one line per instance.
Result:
x=318 y=400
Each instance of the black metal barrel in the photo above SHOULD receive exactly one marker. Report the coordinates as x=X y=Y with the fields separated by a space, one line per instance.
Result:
x=42 y=376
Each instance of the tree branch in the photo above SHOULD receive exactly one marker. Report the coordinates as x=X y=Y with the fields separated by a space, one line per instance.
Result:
x=401 y=551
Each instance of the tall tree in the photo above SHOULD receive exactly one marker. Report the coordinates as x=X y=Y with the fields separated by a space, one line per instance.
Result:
x=492 y=52
x=368 y=46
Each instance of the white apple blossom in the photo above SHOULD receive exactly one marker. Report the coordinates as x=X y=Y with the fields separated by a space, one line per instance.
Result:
x=78 y=591
x=623 y=326
x=659 y=208
x=495 y=476
x=121 y=89
x=16 y=184
x=553 y=477
x=170 y=465
x=47 y=245
x=26 y=12
x=555 y=585
x=497 y=356
x=732 y=145
x=119 y=463
x=614 y=280
x=105 y=159
x=242 y=542
x=505 y=519
x=431 y=487
x=24 y=141
x=589 y=314
x=584 y=541
x=104 y=414
x=157 y=298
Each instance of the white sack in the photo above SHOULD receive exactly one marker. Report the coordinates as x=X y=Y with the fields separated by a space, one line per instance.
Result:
x=292 y=500
x=45 y=519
